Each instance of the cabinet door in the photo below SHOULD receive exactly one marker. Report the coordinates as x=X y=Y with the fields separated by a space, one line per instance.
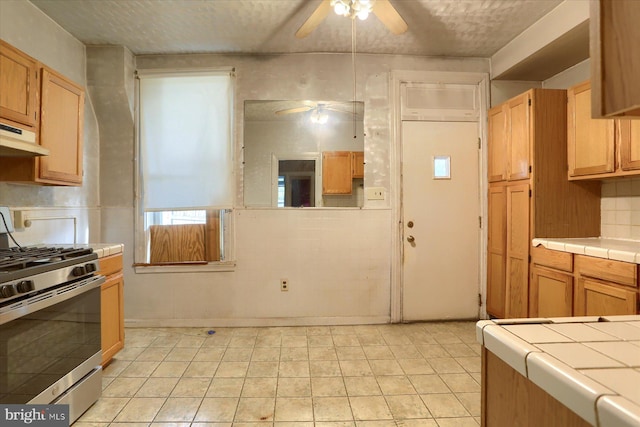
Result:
x=497 y=144
x=595 y=298
x=590 y=142
x=112 y=316
x=496 y=251
x=61 y=121
x=18 y=85
x=629 y=134
x=336 y=172
x=519 y=137
x=357 y=164
x=518 y=243
x=551 y=293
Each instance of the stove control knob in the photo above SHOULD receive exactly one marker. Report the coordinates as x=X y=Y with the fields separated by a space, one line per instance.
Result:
x=25 y=286
x=7 y=291
x=78 y=271
x=90 y=267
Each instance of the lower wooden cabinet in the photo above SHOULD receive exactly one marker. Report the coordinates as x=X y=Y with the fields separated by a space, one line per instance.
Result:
x=551 y=293
x=563 y=284
x=112 y=307
x=598 y=298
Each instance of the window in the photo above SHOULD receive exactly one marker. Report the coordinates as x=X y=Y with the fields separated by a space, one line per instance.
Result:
x=186 y=185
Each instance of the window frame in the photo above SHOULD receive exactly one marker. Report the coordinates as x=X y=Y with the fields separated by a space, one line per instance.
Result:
x=140 y=234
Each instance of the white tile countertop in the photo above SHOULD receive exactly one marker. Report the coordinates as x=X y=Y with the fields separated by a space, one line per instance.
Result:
x=589 y=364
x=102 y=249
x=616 y=249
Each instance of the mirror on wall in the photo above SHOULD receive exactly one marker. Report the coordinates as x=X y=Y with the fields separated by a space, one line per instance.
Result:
x=303 y=153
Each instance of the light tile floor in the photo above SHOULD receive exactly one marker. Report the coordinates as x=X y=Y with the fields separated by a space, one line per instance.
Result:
x=424 y=374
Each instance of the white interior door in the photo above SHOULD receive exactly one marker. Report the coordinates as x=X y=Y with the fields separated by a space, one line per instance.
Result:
x=441 y=233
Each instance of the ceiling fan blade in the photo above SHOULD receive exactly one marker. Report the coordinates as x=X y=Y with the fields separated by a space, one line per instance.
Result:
x=315 y=19
x=389 y=16
x=294 y=110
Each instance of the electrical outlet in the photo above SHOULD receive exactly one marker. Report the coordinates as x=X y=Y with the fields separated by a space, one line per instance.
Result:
x=284 y=285
x=374 y=193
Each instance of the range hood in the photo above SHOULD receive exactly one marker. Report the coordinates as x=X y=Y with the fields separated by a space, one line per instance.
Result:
x=16 y=142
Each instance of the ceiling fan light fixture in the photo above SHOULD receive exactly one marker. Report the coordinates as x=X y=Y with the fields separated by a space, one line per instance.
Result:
x=353 y=8
x=319 y=116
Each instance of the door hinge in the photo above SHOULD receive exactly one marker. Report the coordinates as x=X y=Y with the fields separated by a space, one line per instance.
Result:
x=479 y=143
x=529 y=258
x=529 y=102
x=479 y=300
x=530 y=168
x=529 y=192
x=480 y=221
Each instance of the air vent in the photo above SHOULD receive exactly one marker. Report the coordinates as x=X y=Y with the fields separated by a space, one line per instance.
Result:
x=445 y=102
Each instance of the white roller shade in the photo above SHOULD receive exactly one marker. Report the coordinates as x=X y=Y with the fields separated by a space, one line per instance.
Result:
x=185 y=141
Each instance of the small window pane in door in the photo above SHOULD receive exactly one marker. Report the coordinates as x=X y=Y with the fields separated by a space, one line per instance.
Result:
x=442 y=167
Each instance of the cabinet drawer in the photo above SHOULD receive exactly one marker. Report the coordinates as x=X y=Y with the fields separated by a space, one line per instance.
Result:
x=624 y=273
x=110 y=264
x=554 y=259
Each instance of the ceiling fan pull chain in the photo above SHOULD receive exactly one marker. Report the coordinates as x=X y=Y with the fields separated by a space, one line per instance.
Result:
x=353 y=63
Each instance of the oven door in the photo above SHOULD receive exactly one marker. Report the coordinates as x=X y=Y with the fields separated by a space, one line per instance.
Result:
x=49 y=342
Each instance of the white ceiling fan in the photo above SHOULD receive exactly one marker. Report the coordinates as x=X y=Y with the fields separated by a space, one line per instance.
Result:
x=319 y=111
x=383 y=9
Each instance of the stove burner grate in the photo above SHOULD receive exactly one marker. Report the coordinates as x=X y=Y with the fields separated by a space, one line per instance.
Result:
x=21 y=258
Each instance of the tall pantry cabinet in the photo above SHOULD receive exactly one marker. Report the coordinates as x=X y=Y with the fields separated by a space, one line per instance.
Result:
x=529 y=193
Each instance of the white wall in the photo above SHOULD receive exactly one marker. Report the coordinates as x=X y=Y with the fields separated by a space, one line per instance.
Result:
x=338 y=261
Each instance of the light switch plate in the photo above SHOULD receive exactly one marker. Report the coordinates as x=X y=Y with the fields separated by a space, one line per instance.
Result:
x=375 y=193
x=7 y=219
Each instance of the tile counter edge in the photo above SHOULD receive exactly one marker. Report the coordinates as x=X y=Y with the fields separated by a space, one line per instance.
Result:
x=614 y=249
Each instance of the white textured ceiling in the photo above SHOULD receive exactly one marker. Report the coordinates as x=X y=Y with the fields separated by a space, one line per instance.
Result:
x=476 y=28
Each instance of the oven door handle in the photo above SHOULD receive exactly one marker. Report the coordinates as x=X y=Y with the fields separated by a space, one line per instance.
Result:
x=49 y=298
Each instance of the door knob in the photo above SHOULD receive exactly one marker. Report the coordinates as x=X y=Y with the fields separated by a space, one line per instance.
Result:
x=410 y=224
x=411 y=239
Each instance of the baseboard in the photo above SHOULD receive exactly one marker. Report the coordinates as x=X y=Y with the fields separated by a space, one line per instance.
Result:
x=256 y=322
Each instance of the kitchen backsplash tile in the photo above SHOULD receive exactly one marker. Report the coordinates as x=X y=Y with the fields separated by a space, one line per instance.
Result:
x=620 y=208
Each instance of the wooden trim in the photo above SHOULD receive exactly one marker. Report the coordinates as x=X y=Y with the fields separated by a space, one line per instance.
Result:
x=176 y=243
x=212 y=236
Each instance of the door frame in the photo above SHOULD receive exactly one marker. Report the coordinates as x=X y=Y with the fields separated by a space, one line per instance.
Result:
x=397 y=78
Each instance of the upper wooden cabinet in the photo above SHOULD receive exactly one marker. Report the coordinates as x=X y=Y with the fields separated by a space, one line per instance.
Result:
x=61 y=122
x=19 y=86
x=591 y=142
x=336 y=172
x=509 y=140
x=357 y=164
x=614 y=36
x=629 y=136
x=518 y=137
x=497 y=143
x=59 y=125
x=599 y=148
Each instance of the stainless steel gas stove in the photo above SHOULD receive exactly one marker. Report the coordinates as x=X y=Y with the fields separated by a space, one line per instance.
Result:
x=50 y=348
